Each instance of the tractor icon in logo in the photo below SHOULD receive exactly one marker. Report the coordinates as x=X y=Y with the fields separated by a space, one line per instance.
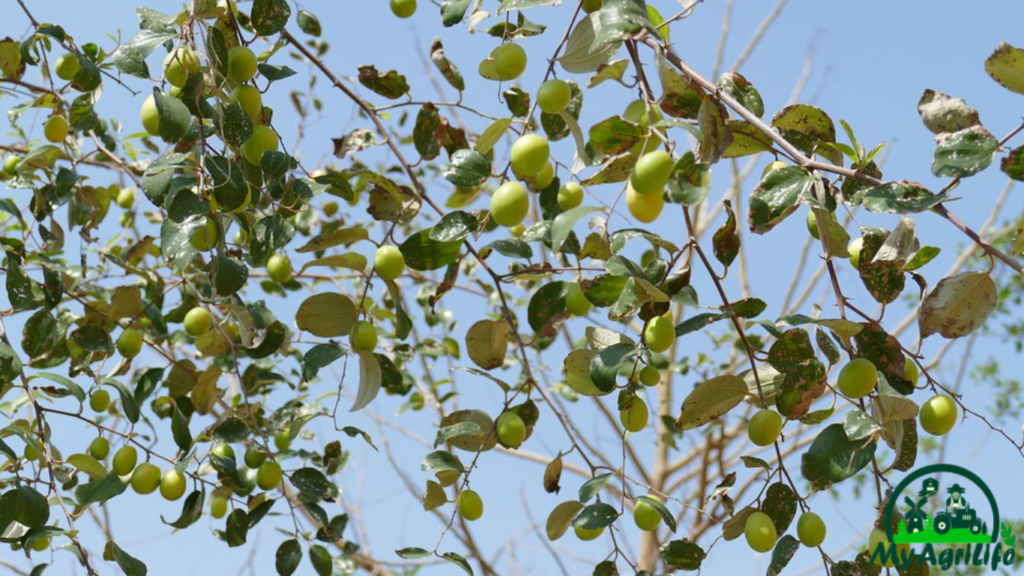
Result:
x=958 y=514
x=957 y=522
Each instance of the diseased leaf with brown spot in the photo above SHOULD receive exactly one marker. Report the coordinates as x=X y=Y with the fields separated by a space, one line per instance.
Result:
x=552 y=475
x=447 y=67
x=884 y=279
x=726 y=242
x=883 y=350
x=958 y=305
x=943 y=113
x=1006 y=66
x=715 y=135
x=389 y=84
x=682 y=98
x=780 y=505
x=710 y=400
x=804 y=126
x=430 y=132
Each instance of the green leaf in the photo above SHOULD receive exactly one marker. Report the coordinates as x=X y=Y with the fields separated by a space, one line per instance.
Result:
x=453 y=227
x=592 y=487
x=458 y=561
x=288 y=556
x=230 y=275
x=309 y=23
x=512 y=248
x=517 y=100
x=900 y=197
x=564 y=222
x=958 y=305
x=191 y=511
x=710 y=400
x=130 y=565
x=620 y=237
x=547 y=308
x=413 y=553
x=804 y=126
x=621 y=19
x=1006 y=66
x=312 y=482
x=833 y=457
x=604 y=367
x=487 y=343
x=595 y=516
x=964 y=153
x=180 y=431
x=327 y=315
x=237 y=528
x=339 y=237
x=784 y=550
x=453 y=11
x=735 y=85
x=75 y=389
x=274 y=73
x=468 y=168
x=682 y=555
x=663 y=511
x=441 y=460
x=943 y=113
x=577 y=372
x=175 y=119
x=128 y=403
x=507 y=5
x=613 y=70
x=858 y=425
x=777 y=196
x=582 y=54
x=390 y=84
x=319 y=356
x=780 y=505
x=270 y=16
x=99 y=490
x=423 y=253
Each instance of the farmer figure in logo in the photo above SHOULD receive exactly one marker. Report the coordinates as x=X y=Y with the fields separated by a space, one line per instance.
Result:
x=956 y=499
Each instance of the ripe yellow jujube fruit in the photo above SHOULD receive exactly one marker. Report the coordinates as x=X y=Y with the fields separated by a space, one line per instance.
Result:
x=644 y=207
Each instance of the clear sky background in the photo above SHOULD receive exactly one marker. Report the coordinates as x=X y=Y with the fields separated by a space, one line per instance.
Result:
x=870 y=62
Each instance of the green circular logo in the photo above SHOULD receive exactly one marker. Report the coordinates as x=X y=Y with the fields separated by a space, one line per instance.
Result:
x=958 y=514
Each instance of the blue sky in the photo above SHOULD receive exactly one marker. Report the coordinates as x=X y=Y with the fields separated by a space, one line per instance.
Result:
x=871 y=62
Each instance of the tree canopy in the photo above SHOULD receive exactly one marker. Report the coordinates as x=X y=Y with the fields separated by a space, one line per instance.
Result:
x=214 y=308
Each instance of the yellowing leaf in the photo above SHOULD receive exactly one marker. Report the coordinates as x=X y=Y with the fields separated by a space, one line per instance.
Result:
x=560 y=517
x=577 y=372
x=369 y=380
x=711 y=399
x=435 y=496
x=350 y=260
x=126 y=302
x=326 y=315
x=486 y=343
x=958 y=305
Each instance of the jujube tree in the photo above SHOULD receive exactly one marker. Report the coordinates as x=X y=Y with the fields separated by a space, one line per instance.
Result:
x=249 y=291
